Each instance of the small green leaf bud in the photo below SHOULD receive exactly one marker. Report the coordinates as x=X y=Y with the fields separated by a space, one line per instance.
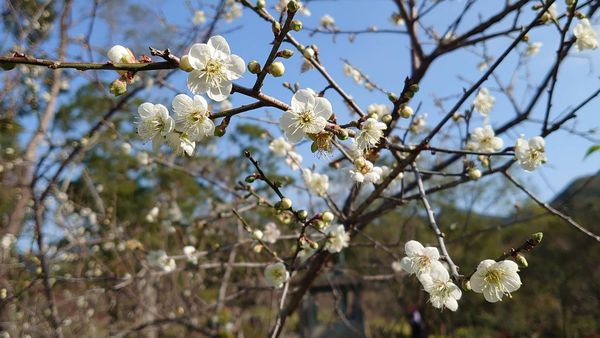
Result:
x=537 y=237
x=296 y=25
x=286 y=53
x=392 y=97
x=250 y=179
x=254 y=67
x=414 y=88
x=118 y=87
x=293 y=6
x=327 y=217
x=342 y=134
x=387 y=118
x=406 y=111
x=285 y=203
x=302 y=214
x=522 y=261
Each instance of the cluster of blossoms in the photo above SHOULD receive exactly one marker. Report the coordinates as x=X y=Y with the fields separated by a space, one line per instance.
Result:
x=484 y=102
x=530 y=153
x=160 y=260
x=212 y=67
x=281 y=148
x=336 y=239
x=493 y=279
x=586 y=36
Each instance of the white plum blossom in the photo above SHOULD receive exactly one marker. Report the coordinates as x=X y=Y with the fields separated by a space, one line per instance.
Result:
x=180 y=143
x=587 y=37
x=271 y=233
x=276 y=275
x=495 y=279
x=420 y=260
x=337 y=238
x=378 y=109
x=280 y=147
x=484 y=102
x=214 y=67
x=120 y=54
x=159 y=259
x=327 y=22
x=530 y=154
x=365 y=172
x=484 y=139
x=316 y=183
x=533 y=48
x=199 y=18
x=370 y=133
x=190 y=254
x=155 y=123
x=293 y=160
x=192 y=117
x=308 y=115
x=353 y=73
x=442 y=292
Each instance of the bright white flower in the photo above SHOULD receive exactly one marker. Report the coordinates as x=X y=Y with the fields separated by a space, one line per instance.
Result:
x=159 y=259
x=120 y=54
x=7 y=241
x=293 y=160
x=370 y=133
x=192 y=117
x=280 y=147
x=442 y=292
x=484 y=102
x=152 y=215
x=482 y=66
x=365 y=172
x=276 y=275
x=495 y=279
x=214 y=68
x=587 y=37
x=316 y=183
x=199 y=18
x=308 y=115
x=420 y=260
x=155 y=123
x=327 y=22
x=180 y=143
x=533 y=48
x=530 y=154
x=484 y=140
x=379 y=109
x=550 y=14
x=190 y=253
x=271 y=233
x=337 y=238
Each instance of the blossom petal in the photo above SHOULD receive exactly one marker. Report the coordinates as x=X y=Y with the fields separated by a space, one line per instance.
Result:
x=431 y=252
x=183 y=104
x=407 y=264
x=197 y=82
x=146 y=110
x=477 y=282
x=200 y=102
x=413 y=248
x=235 y=67
x=199 y=54
x=451 y=304
x=303 y=100
x=219 y=43
x=323 y=108
x=221 y=92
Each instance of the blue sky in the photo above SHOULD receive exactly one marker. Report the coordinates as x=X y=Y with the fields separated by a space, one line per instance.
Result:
x=385 y=58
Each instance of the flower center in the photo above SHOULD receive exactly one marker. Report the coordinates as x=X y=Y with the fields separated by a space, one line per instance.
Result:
x=198 y=116
x=494 y=277
x=214 y=71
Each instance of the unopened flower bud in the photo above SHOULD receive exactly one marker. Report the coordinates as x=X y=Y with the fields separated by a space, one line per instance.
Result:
x=257 y=234
x=320 y=224
x=314 y=245
x=277 y=69
x=296 y=25
x=184 y=63
x=387 y=118
x=285 y=204
x=250 y=179
x=118 y=87
x=7 y=65
x=392 y=97
x=537 y=237
x=327 y=217
x=467 y=284
x=293 y=6
x=456 y=117
x=302 y=214
x=521 y=260
x=219 y=131
x=260 y=4
x=342 y=134
x=257 y=248
x=474 y=173
x=308 y=53
x=254 y=67
x=406 y=111
x=414 y=88
x=287 y=53
x=276 y=27
x=570 y=2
